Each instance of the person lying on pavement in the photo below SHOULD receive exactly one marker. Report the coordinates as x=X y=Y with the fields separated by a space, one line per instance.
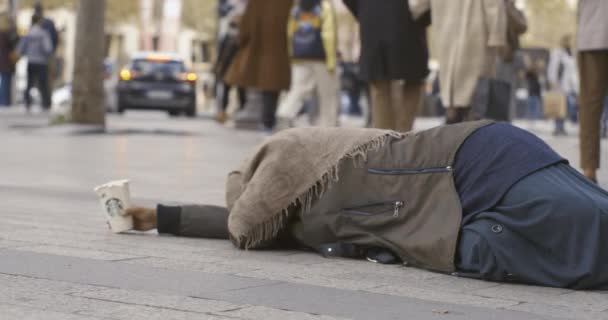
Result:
x=480 y=199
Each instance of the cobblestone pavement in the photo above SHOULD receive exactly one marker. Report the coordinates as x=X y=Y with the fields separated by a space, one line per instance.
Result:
x=58 y=261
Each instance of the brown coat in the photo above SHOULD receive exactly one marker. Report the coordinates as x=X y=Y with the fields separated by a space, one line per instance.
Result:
x=262 y=62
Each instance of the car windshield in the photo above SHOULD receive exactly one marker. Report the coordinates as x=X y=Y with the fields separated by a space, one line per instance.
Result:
x=165 y=67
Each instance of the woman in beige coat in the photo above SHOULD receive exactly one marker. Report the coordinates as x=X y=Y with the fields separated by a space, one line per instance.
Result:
x=467 y=35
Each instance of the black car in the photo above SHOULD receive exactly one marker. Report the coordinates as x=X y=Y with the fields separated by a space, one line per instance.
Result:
x=154 y=81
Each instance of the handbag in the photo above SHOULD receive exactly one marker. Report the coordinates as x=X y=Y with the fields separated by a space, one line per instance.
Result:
x=491 y=99
x=555 y=105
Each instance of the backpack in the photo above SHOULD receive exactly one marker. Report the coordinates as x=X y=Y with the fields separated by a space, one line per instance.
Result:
x=307 y=42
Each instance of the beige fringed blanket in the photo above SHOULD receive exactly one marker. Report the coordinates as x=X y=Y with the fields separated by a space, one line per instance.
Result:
x=292 y=167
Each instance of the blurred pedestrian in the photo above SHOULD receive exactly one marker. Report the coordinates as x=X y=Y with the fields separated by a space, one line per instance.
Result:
x=394 y=60
x=49 y=26
x=229 y=46
x=37 y=47
x=312 y=42
x=592 y=44
x=226 y=11
x=262 y=62
x=605 y=118
x=467 y=37
x=535 y=100
x=563 y=77
x=8 y=58
x=349 y=51
x=510 y=65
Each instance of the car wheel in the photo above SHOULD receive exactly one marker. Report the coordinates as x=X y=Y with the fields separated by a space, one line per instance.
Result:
x=173 y=113
x=191 y=111
x=120 y=107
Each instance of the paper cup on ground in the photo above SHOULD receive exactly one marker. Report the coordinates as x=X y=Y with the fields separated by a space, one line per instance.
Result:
x=115 y=198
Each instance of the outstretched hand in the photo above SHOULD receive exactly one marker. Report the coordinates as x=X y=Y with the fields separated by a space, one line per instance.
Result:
x=144 y=219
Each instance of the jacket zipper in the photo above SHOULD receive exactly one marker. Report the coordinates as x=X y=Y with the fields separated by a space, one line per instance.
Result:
x=404 y=172
x=395 y=206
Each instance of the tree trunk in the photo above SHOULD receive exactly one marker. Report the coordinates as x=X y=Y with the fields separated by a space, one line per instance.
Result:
x=88 y=105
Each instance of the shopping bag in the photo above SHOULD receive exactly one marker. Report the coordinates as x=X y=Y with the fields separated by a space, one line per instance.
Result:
x=555 y=105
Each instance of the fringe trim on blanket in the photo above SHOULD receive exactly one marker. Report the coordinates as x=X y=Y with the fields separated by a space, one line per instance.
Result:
x=266 y=231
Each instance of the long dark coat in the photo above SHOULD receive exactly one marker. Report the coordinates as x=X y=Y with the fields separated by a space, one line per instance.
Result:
x=393 y=45
x=262 y=62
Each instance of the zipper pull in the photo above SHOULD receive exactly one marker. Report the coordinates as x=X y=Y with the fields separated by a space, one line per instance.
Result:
x=398 y=206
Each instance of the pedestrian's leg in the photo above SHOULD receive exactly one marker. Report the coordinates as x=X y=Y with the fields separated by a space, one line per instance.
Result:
x=532 y=111
x=560 y=127
x=221 y=116
x=406 y=103
x=50 y=72
x=540 y=109
x=605 y=118
x=4 y=88
x=572 y=107
x=242 y=95
x=456 y=114
x=31 y=79
x=382 y=113
x=225 y=97
x=9 y=88
x=354 y=90
x=327 y=89
x=354 y=97
x=593 y=68
x=269 y=109
x=302 y=85
x=44 y=88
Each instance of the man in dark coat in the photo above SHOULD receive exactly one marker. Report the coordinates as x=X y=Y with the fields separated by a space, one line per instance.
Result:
x=394 y=57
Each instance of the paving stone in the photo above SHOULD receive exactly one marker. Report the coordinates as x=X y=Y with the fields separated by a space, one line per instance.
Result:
x=216 y=267
x=82 y=300
x=174 y=302
x=442 y=296
x=591 y=301
x=357 y=304
x=11 y=284
x=117 y=275
x=559 y=312
x=12 y=244
x=255 y=313
x=10 y=312
x=81 y=253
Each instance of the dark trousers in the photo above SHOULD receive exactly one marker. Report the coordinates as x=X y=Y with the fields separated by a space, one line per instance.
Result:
x=38 y=75
x=550 y=229
x=6 y=83
x=270 y=100
x=353 y=86
x=593 y=68
x=225 y=97
x=535 y=107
